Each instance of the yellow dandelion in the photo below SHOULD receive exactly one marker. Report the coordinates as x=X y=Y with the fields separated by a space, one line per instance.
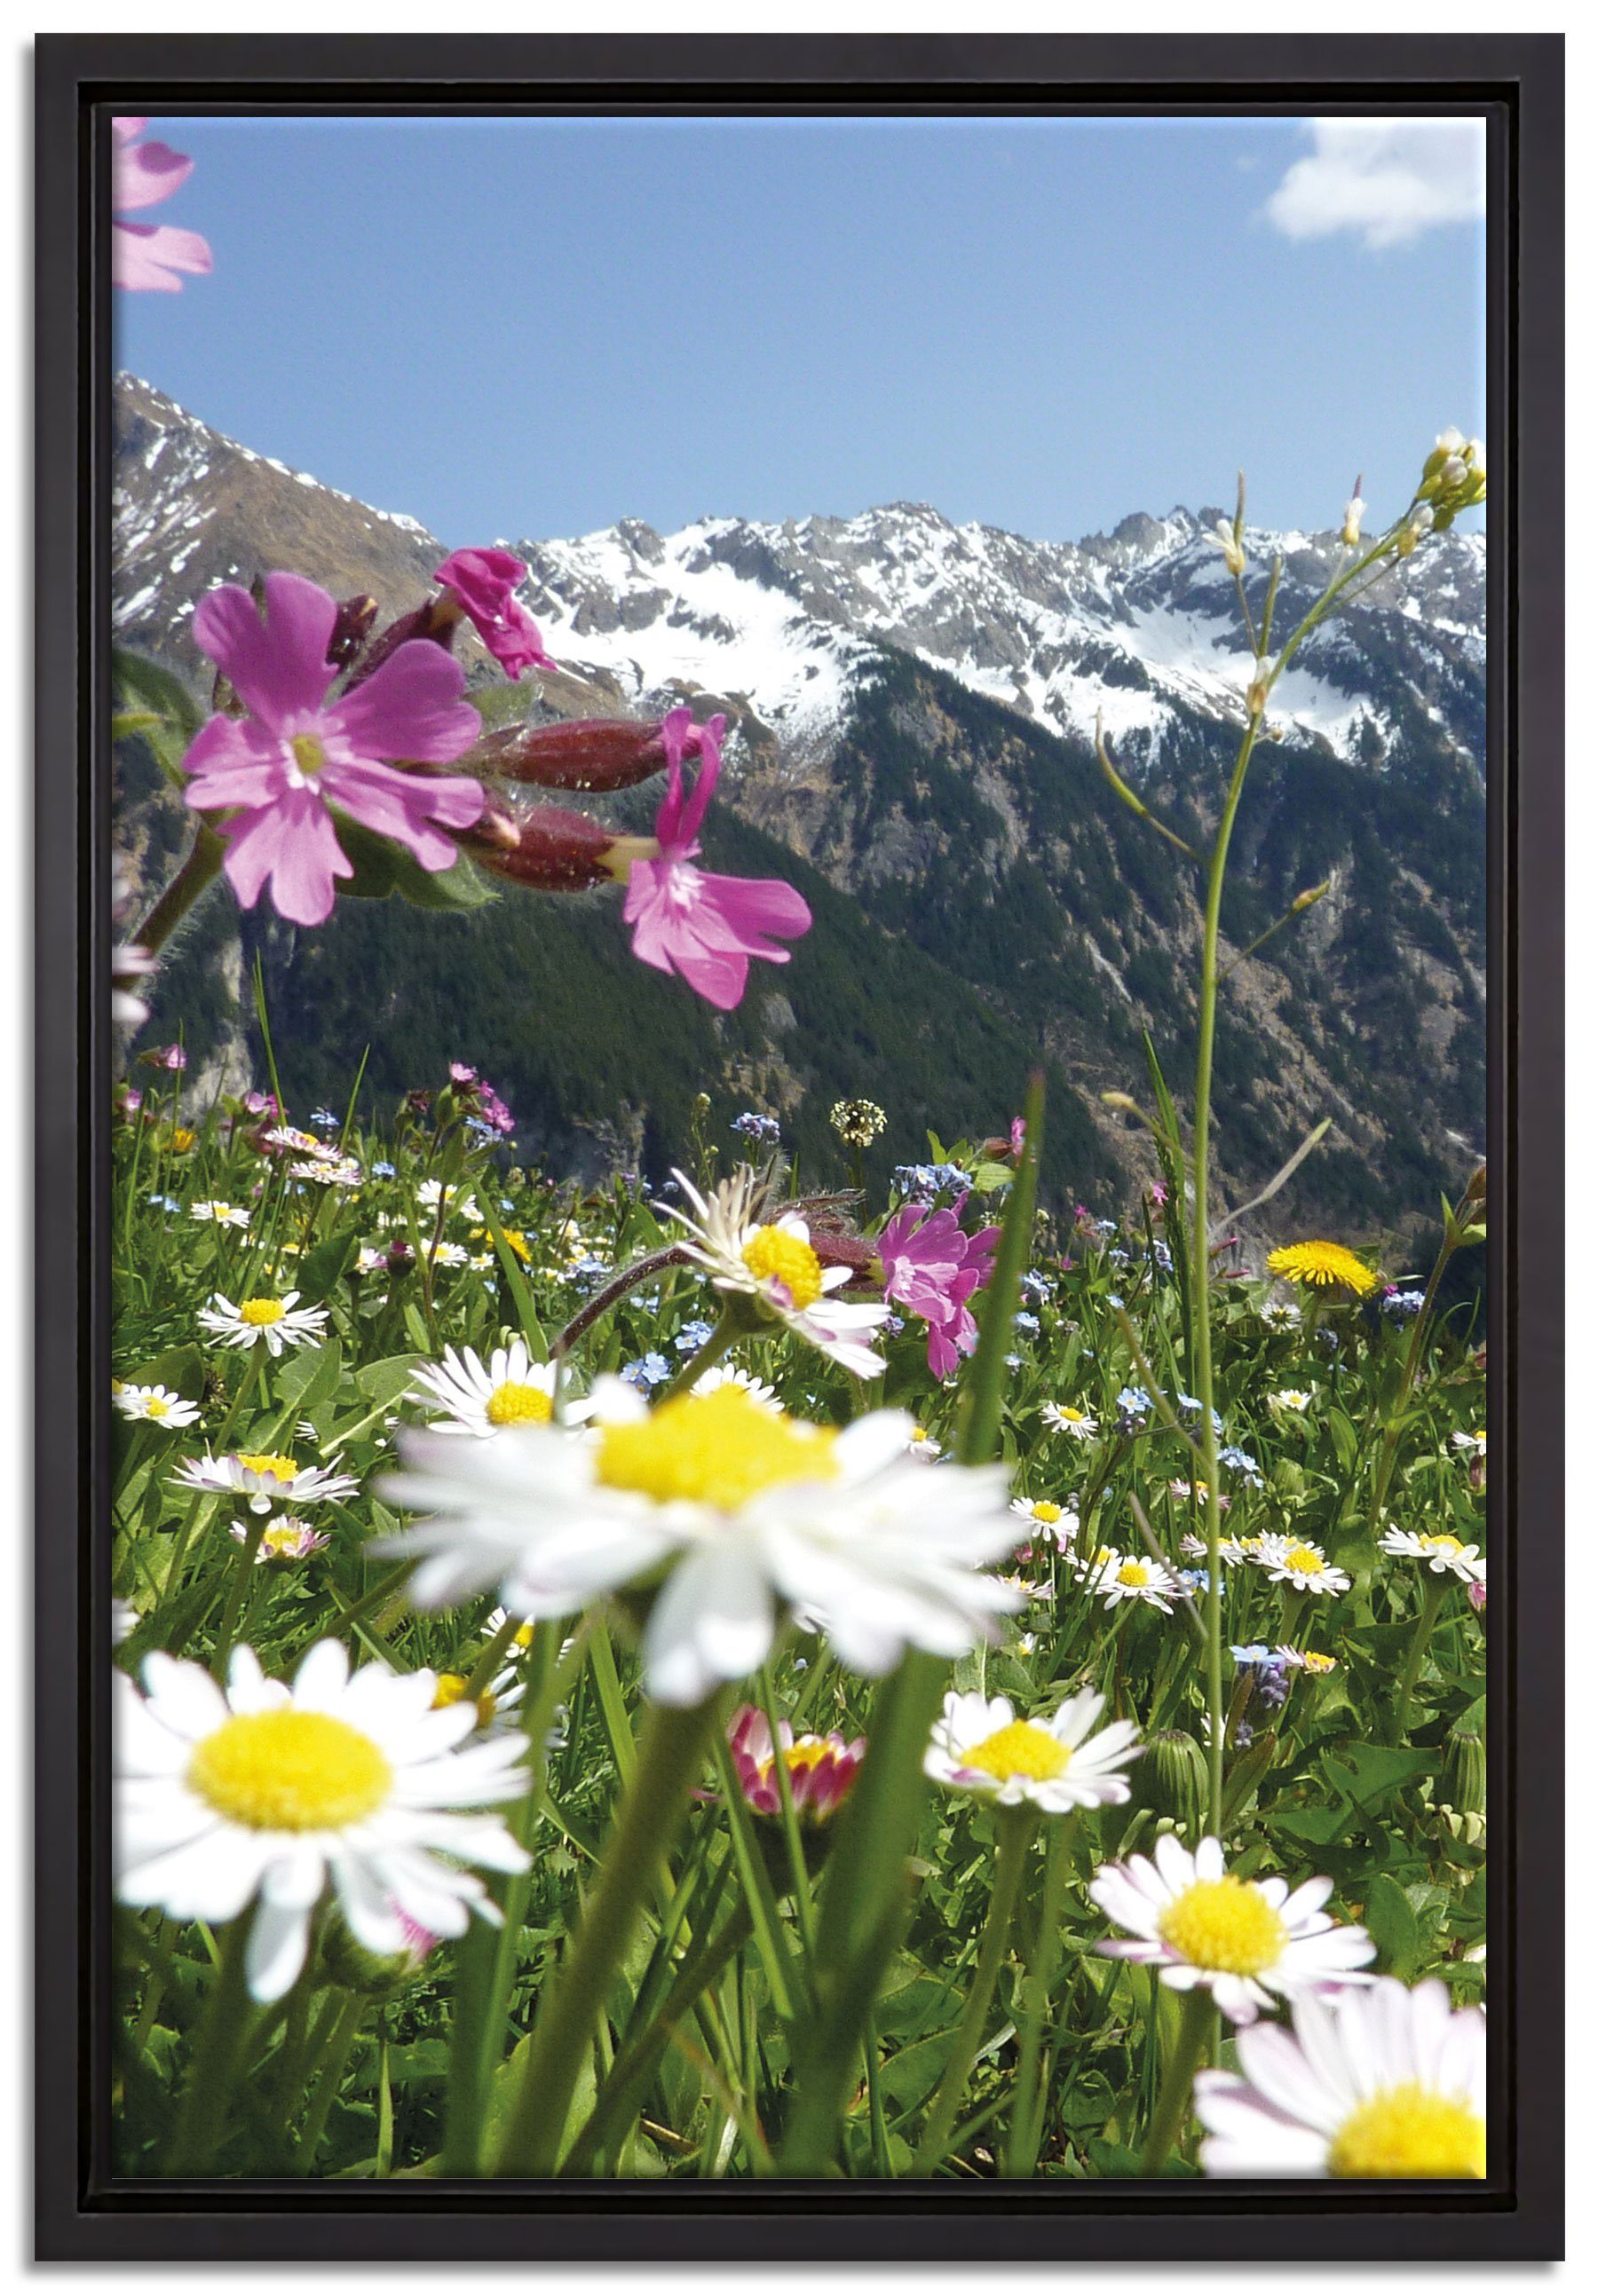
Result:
x=1321 y=1265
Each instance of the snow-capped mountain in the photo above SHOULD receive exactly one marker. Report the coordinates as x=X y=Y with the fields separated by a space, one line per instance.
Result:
x=914 y=704
x=1126 y=627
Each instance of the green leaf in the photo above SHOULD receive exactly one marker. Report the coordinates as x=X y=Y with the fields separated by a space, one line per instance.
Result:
x=311 y=1375
x=1391 y=1919
x=383 y=867
x=387 y=1379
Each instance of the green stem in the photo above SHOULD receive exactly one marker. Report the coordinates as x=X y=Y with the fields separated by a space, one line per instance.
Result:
x=1014 y=1836
x=203 y=2115
x=328 y=2082
x=652 y=1810
x=1177 y=2084
x=1204 y=1368
x=1431 y=1602
x=1026 y=2113
x=204 y=860
x=236 y=1595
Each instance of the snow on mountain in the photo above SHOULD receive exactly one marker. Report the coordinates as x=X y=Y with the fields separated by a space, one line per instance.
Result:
x=1138 y=627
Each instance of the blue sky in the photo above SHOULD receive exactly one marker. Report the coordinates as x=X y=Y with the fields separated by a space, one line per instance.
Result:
x=535 y=327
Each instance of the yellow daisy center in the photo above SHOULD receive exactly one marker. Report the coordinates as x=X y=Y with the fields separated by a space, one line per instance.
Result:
x=1228 y=1925
x=309 y=755
x=717 y=1449
x=261 y=1312
x=288 y=1772
x=281 y=1539
x=1065 y=1412
x=452 y=1689
x=1133 y=1574
x=515 y=1403
x=271 y=1463
x=1021 y=1750
x=1322 y=1265
x=1305 y=1558
x=1045 y=1511
x=156 y=1406
x=1317 y=1662
x=776 y=1255
x=1441 y=1542
x=1410 y=2130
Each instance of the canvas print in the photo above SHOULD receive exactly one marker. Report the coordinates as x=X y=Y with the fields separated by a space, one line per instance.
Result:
x=801 y=1049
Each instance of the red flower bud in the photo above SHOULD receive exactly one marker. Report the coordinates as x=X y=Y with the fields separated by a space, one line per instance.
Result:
x=437 y=619
x=552 y=850
x=352 y=630
x=576 y=754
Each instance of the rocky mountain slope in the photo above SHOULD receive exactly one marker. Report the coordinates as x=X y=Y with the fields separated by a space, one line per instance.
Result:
x=914 y=704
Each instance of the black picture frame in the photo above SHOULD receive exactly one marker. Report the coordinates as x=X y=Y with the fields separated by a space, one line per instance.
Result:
x=82 y=2213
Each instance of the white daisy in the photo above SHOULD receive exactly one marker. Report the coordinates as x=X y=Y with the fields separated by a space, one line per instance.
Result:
x=1306 y=1662
x=124 y=1618
x=1475 y=1442
x=303 y=1144
x=328 y=1172
x=265 y=1479
x=1058 y=1523
x=1117 y=1578
x=1381 y=2082
x=219 y=1215
x=1282 y=1315
x=159 y=1404
x=1297 y=1563
x=460 y=1203
x=1065 y=1419
x=1440 y=1551
x=273 y=1324
x=1248 y=1941
x=471 y=1398
x=267 y=1792
x=1290 y=1399
x=723 y=1375
x=728 y=1511
x=923 y=1446
x=289 y=1539
x=771 y=1264
x=978 y=1745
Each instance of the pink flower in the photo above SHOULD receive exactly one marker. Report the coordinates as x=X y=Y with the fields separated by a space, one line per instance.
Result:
x=485 y=581
x=150 y=254
x=820 y=1770
x=686 y=921
x=166 y=1056
x=1018 y=1136
x=281 y=770
x=932 y=1267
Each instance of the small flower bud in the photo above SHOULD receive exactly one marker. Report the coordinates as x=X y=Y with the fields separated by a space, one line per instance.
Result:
x=350 y=630
x=552 y=850
x=437 y=619
x=1307 y=900
x=1476 y=1193
x=1122 y=1100
x=1259 y=691
x=1464 y=1780
x=1175 y=1779
x=1228 y=539
x=576 y=754
x=1354 y=510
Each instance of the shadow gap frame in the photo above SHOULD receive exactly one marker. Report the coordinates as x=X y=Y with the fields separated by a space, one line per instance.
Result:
x=84 y=2214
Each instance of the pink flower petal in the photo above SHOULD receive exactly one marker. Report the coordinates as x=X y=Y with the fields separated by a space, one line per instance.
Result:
x=293 y=844
x=143 y=175
x=149 y=256
x=232 y=762
x=277 y=667
x=411 y=707
x=406 y=806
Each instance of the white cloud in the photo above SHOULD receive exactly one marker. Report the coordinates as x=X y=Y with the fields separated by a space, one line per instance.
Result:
x=1387 y=179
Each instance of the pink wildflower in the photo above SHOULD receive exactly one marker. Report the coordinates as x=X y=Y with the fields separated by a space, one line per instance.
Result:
x=686 y=921
x=150 y=255
x=166 y=1056
x=280 y=771
x=1017 y=1136
x=485 y=581
x=820 y=1770
x=932 y=1267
